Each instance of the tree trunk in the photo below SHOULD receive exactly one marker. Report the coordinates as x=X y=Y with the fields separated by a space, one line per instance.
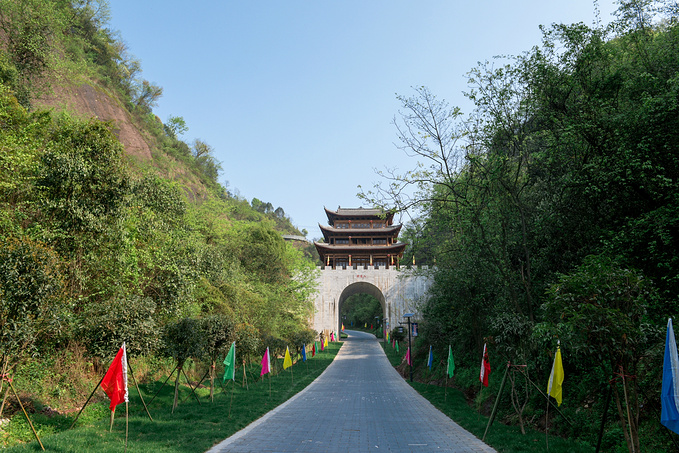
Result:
x=176 y=385
x=212 y=382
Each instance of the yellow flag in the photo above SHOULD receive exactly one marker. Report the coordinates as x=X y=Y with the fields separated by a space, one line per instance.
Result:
x=556 y=377
x=326 y=342
x=287 y=361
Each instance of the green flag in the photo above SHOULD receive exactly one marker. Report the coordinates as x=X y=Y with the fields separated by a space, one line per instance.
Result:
x=397 y=346
x=230 y=364
x=451 y=362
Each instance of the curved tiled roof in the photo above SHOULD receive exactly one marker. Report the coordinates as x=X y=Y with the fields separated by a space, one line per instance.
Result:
x=389 y=231
x=358 y=213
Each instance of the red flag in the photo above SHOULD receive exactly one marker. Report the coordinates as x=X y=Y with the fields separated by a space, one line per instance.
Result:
x=408 y=357
x=115 y=379
x=485 y=367
x=313 y=350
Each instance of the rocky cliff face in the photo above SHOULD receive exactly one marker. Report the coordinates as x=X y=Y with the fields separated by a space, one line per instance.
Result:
x=87 y=101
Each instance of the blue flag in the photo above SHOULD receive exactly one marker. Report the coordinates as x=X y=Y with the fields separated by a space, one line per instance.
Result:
x=431 y=358
x=669 y=398
x=303 y=352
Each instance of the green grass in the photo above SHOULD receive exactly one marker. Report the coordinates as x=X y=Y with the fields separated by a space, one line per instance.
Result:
x=502 y=437
x=193 y=427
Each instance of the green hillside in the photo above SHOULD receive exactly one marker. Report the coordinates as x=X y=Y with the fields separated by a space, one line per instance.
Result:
x=114 y=229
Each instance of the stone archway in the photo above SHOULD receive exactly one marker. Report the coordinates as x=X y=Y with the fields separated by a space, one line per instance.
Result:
x=361 y=288
x=399 y=292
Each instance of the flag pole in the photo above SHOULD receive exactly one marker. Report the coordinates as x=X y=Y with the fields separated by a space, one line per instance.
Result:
x=547 y=424
x=129 y=365
x=113 y=413
x=127 y=423
x=245 y=378
x=88 y=400
x=24 y=410
x=233 y=389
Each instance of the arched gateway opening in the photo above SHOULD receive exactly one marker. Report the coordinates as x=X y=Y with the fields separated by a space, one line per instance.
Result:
x=361 y=288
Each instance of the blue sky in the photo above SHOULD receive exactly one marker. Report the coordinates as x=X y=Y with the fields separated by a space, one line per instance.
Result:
x=297 y=97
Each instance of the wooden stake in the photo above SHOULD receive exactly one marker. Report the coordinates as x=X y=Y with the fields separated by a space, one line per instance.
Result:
x=245 y=378
x=604 y=416
x=4 y=398
x=629 y=419
x=199 y=382
x=88 y=400
x=161 y=387
x=191 y=387
x=129 y=365
x=497 y=400
x=27 y=417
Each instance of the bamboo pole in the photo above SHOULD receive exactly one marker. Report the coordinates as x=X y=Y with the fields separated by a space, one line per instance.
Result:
x=88 y=400
x=245 y=377
x=497 y=400
x=113 y=414
x=25 y=413
x=604 y=416
x=547 y=424
x=161 y=387
x=233 y=389
x=4 y=398
x=129 y=365
x=127 y=423
x=554 y=406
x=191 y=387
x=629 y=419
x=199 y=382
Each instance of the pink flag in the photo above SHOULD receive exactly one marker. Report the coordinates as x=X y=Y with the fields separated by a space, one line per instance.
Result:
x=332 y=336
x=408 y=357
x=266 y=363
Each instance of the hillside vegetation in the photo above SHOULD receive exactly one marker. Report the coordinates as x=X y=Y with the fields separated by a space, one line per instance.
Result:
x=552 y=213
x=118 y=230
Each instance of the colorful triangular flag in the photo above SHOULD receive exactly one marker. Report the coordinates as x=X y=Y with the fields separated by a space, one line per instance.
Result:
x=451 y=362
x=669 y=396
x=556 y=376
x=266 y=363
x=230 y=364
x=287 y=360
x=115 y=379
x=485 y=367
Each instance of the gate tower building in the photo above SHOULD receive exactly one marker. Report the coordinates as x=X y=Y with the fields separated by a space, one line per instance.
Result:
x=360 y=238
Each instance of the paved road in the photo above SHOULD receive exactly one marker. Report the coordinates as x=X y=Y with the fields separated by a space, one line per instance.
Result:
x=359 y=404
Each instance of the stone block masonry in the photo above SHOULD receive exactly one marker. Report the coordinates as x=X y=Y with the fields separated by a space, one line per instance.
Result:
x=399 y=291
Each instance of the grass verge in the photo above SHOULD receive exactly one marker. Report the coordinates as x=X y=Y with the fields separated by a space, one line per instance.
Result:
x=194 y=426
x=502 y=437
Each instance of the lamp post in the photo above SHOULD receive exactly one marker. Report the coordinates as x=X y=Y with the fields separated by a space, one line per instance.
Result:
x=408 y=316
